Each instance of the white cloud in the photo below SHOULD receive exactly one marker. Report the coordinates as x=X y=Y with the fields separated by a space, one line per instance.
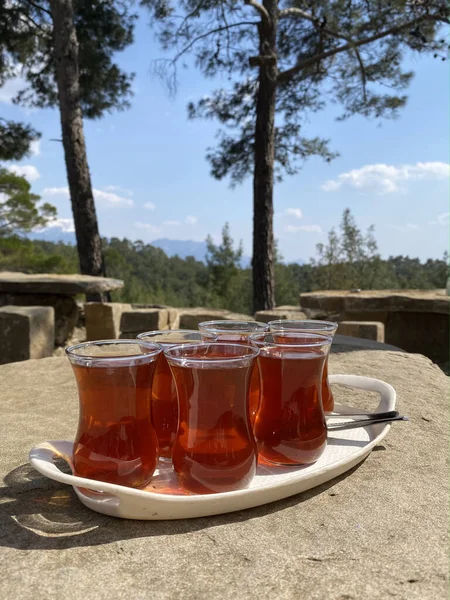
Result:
x=66 y=225
x=117 y=188
x=172 y=223
x=10 y=89
x=405 y=228
x=147 y=227
x=100 y=196
x=305 y=228
x=150 y=206
x=56 y=191
x=28 y=171
x=386 y=178
x=443 y=219
x=190 y=220
x=112 y=199
x=293 y=212
x=35 y=148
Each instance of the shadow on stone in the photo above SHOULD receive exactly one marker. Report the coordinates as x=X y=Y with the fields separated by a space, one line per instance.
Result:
x=344 y=343
x=39 y=513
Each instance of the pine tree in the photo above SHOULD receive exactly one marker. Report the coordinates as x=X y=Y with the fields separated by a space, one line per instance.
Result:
x=64 y=49
x=284 y=60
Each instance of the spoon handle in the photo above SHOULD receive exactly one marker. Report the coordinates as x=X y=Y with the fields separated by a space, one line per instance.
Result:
x=363 y=423
x=367 y=416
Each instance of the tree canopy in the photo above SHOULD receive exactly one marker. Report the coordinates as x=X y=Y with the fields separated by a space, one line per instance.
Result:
x=20 y=210
x=286 y=59
x=27 y=47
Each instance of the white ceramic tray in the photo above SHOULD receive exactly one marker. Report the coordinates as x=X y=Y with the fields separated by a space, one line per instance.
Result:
x=163 y=499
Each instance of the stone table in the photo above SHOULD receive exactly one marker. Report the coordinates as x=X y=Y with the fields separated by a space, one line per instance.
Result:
x=377 y=532
x=415 y=320
x=58 y=291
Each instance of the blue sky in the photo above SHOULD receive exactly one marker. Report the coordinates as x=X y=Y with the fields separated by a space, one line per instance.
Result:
x=151 y=178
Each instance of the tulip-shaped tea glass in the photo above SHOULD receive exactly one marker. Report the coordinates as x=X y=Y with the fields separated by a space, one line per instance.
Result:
x=164 y=408
x=327 y=328
x=115 y=441
x=214 y=449
x=238 y=332
x=290 y=425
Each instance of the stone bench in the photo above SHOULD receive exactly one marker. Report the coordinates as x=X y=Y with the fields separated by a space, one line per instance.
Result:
x=58 y=291
x=280 y=312
x=26 y=332
x=415 y=320
x=368 y=330
x=189 y=318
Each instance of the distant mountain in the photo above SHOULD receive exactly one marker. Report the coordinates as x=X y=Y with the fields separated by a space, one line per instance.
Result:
x=182 y=248
x=53 y=234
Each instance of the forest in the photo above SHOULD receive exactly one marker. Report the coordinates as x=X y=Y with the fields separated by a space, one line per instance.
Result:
x=348 y=260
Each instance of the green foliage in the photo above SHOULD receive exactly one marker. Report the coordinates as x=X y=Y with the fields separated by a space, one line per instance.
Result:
x=19 y=209
x=103 y=28
x=26 y=256
x=15 y=139
x=346 y=53
x=223 y=264
x=151 y=277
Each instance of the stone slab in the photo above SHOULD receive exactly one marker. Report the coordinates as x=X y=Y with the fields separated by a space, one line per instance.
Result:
x=102 y=319
x=65 y=307
x=144 y=319
x=340 y=301
x=278 y=313
x=424 y=333
x=26 y=332
x=370 y=330
x=49 y=283
x=189 y=318
x=377 y=532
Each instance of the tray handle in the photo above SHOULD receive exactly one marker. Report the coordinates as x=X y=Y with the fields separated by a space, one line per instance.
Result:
x=42 y=459
x=386 y=391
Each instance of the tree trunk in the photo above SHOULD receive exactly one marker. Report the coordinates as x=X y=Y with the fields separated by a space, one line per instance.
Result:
x=79 y=179
x=263 y=243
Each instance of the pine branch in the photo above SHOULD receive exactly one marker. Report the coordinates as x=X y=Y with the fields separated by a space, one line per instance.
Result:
x=189 y=15
x=353 y=45
x=38 y=7
x=207 y=34
x=265 y=17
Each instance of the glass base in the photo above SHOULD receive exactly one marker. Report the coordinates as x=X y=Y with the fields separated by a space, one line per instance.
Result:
x=165 y=459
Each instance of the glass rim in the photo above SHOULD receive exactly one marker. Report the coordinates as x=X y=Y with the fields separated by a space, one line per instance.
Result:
x=154 y=348
x=318 y=341
x=220 y=325
x=303 y=324
x=154 y=333
x=246 y=353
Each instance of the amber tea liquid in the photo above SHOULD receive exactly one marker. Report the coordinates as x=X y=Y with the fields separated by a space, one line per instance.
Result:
x=214 y=450
x=255 y=389
x=164 y=407
x=290 y=424
x=115 y=441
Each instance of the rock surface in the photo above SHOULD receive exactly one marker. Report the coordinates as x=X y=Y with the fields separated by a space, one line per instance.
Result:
x=377 y=532
x=290 y=313
x=65 y=307
x=335 y=301
x=370 y=330
x=415 y=320
x=102 y=319
x=49 y=283
x=26 y=332
x=189 y=318
x=144 y=319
